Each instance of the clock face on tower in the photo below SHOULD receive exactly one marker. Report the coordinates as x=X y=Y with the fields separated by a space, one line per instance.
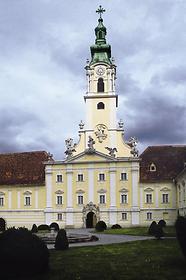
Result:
x=100 y=71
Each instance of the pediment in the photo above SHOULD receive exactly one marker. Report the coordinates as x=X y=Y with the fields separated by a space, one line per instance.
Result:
x=90 y=157
x=59 y=192
x=123 y=190
x=27 y=193
x=165 y=189
x=148 y=190
x=80 y=191
x=102 y=191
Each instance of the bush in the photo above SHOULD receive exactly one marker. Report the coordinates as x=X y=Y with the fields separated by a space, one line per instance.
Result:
x=43 y=227
x=55 y=226
x=116 y=226
x=158 y=232
x=2 y=224
x=101 y=226
x=181 y=233
x=61 y=242
x=25 y=253
x=152 y=228
x=34 y=229
x=162 y=223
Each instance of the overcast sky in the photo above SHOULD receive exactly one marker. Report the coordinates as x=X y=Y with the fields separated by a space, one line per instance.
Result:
x=44 y=45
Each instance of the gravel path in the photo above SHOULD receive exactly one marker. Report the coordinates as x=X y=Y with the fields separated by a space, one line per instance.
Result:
x=103 y=238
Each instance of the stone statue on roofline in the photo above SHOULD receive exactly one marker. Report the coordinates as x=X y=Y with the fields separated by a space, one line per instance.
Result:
x=133 y=141
x=70 y=147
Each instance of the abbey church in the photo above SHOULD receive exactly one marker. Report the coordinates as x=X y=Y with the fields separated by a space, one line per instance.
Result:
x=102 y=177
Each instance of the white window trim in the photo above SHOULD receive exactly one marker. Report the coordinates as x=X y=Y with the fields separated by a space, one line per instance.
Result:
x=146 y=195
x=58 y=216
x=78 y=178
x=166 y=195
x=57 y=178
x=99 y=177
x=57 y=199
x=150 y=214
x=27 y=196
x=123 y=214
x=3 y=199
x=126 y=176
x=124 y=194
x=102 y=194
x=80 y=195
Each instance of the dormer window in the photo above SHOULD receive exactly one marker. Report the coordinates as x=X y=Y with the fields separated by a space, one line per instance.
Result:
x=152 y=167
x=100 y=85
x=100 y=106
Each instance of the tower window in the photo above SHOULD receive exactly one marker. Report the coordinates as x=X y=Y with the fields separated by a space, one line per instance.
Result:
x=100 y=105
x=100 y=85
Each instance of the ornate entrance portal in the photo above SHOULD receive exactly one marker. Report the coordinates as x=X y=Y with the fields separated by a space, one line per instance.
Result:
x=91 y=220
x=90 y=215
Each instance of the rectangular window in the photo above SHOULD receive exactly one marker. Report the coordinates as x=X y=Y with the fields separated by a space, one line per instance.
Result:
x=1 y=201
x=124 y=216
x=123 y=176
x=101 y=177
x=59 y=216
x=148 y=198
x=80 y=199
x=124 y=199
x=80 y=177
x=27 y=200
x=59 y=200
x=102 y=199
x=59 y=178
x=149 y=216
x=165 y=198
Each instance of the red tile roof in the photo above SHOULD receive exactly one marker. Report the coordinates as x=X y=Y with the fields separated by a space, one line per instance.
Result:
x=23 y=168
x=169 y=161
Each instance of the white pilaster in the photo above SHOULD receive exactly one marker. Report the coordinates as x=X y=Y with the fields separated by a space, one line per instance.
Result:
x=90 y=185
x=36 y=198
x=157 y=197
x=135 y=207
x=141 y=197
x=48 y=210
x=18 y=200
x=9 y=199
x=69 y=209
x=112 y=210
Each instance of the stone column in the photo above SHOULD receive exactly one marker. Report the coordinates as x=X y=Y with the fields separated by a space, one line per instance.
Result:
x=69 y=209
x=90 y=184
x=135 y=193
x=112 y=209
x=48 y=209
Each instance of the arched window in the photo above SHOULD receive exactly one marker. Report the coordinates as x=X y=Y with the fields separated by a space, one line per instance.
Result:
x=100 y=105
x=100 y=85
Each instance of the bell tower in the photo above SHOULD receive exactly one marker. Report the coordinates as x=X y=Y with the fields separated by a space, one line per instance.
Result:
x=101 y=129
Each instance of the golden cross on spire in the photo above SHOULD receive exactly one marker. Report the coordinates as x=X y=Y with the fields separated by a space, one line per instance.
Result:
x=100 y=11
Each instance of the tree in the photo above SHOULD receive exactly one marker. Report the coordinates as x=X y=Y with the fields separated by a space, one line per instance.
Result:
x=101 y=226
x=158 y=232
x=61 y=242
x=152 y=228
x=55 y=226
x=23 y=252
x=34 y=229
x=181 y=233
x=162 y=223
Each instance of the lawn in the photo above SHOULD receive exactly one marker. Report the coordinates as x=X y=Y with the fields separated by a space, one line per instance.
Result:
x=169 y=231
x=149 y=259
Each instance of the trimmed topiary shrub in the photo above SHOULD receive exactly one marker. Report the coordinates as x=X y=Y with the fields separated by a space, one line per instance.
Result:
x=55 y=226
x=2 y=224
x=43 y=227
x=158 y=232
x=152 y=228
x=181 y=233
x=116 y=226
x=162 y=223
x=23 y=252
x=61 y=242
x=34 y=229
x=101 y=226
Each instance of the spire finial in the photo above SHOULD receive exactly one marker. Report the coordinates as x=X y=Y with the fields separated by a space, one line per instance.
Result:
x=100 y=11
